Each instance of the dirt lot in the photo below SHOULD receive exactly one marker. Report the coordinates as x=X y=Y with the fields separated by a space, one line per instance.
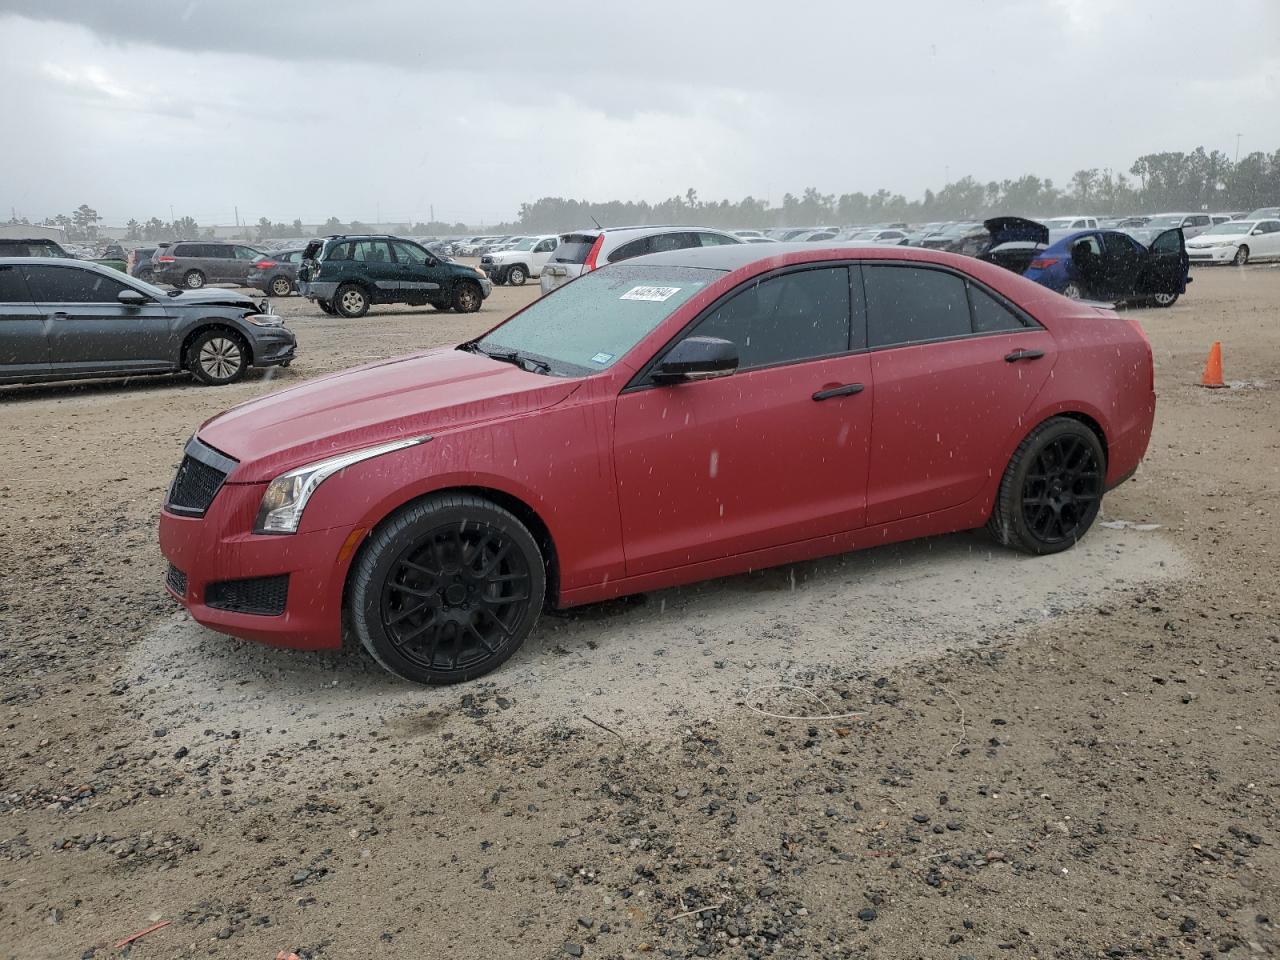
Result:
x=1071 y=757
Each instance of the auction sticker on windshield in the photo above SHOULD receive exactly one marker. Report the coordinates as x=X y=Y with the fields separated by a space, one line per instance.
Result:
x=654 y=294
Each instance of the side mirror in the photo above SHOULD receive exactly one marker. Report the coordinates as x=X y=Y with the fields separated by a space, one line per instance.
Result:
x=1255 y=232
x=697 y=358
x=131 y=298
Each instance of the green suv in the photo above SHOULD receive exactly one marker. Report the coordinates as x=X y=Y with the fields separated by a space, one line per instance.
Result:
x=347 y=274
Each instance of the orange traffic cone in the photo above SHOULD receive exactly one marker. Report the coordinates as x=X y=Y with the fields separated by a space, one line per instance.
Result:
x=1212 y=376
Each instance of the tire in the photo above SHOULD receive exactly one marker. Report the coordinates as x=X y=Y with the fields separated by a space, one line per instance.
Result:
x=351 y=301
x=326 y=307
x=440 y=307
x=146 y=276
x=217 y=357
x=193 y=279
x=517 y=275
x=280 y=286
x=1241 y=257
x=1073 y=291
x=1165 y=299
x=1052 y=489
x=429 y=614
x=467 y=297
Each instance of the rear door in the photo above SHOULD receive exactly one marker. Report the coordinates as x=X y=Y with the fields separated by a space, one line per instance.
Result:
x=24 y=348
x=954 y=368
x=1165 y=270
x=89 y=330
x=773 y=454
x=376 y=263
x=1265 y=240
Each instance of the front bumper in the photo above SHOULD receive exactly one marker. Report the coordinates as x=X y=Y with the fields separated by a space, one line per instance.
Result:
x=486 y=287
x=1211 y=254
x=274 y=347
x=215 y=548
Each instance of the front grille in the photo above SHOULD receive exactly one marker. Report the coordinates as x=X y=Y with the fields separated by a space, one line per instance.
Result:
x=198 y=480
x=486 y=259
x=177 y=580
x=264 y=596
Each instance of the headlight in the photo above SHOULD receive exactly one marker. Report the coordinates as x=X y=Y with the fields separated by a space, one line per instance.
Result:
x=287 y=495
x=265 y=320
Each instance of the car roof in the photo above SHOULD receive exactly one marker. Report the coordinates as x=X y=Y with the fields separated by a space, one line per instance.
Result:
x=65 y=262
x=732 y=256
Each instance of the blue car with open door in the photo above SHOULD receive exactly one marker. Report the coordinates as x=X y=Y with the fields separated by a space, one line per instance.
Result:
x=1114 y=267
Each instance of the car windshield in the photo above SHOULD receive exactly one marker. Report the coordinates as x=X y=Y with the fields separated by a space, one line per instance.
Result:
x=1231 y=228
x=526 y=244
x=587 y=325
x=1164 y=223
x=1059 y=223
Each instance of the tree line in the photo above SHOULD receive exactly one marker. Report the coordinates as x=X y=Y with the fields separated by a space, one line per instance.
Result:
x=1199 y=180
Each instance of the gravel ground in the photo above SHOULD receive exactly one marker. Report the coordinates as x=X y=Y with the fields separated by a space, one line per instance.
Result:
x=1067 y=757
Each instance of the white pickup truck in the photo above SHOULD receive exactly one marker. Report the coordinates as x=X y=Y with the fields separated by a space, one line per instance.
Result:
x=518 y=263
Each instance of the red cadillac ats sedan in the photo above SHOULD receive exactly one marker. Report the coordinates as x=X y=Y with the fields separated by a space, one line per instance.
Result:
x=673 y=418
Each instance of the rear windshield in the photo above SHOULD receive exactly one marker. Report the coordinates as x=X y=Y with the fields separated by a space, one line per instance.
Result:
x=573 y=248
x=586 y=325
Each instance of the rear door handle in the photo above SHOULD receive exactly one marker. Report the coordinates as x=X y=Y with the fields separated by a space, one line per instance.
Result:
x=1023 y=355
x=848 y=390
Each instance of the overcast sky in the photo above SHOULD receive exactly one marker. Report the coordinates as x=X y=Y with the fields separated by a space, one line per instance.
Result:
x=355 y=109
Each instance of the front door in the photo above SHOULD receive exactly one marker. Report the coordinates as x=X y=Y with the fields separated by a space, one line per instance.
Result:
x=1165 y=270
x=24 y=347
x=954 y=368
x=418 y=274
x=775 y=453
x=90 y=330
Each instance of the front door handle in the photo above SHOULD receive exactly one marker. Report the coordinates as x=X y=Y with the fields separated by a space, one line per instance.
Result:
x=1023 y=355
x=60 y=315
x=848 y=390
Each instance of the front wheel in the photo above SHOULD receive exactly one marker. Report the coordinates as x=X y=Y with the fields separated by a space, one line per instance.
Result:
x=517 y=275
x=218 y=357
x=1165 y=299
x=1241 y=257
x=1052 y=489
x=351 y=301
x=325 y=307
x=467 y=298
x=447 y=589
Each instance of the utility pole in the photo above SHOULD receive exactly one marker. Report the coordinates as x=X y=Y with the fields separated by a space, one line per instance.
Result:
x=237 y=210
x=1238 y=136
x=432 y=208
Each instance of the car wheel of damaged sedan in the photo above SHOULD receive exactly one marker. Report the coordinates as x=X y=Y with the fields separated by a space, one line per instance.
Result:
x=351 y=302
x=217 y=357
x=447 y=589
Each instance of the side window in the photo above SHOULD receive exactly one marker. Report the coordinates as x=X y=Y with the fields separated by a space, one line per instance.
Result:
x=372 y=251
x=1086 y=245
x=546 y=246
x=1118 y=243
x=1271 y=226
x=341 y=251
x=914 y=305
x=70 y=285
x=795 y=316
x=989 y=314
x=186 y=250
x=295 y=257
x=408 y=253
x=13 y=289
x=672 y=241
x=636 y=248
x=1167 y=242
x=713 y=239
x=1079 y=225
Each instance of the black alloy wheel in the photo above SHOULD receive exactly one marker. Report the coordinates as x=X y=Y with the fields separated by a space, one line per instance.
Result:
x=1052 y=490
x=447 y=590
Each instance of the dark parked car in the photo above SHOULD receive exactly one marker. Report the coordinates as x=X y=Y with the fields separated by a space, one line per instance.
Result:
x=64 y=319
x=138 y=264
x=1113 y=266
x=276 y=273
x=438 y=502
x=346 y=274
x=194 y=263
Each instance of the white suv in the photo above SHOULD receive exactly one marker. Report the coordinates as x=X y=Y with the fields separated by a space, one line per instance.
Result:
x=520 y=261
x=585 y=250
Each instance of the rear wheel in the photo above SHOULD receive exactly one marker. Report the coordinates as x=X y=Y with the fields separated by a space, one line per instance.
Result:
x=1165 y=299
x=1052 y=489
x=280 y=286
x=466 y=297
x=193 y=279
x=218 y=357
x=146 y=276
x=1241 y=257
x=351 y=301
x=517 y=275
x=447 y=589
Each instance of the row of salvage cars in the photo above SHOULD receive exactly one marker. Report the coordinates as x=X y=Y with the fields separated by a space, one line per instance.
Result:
x=1104 y=265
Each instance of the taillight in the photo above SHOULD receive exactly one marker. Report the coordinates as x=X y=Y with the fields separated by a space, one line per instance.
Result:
x=590 y=263
x=165 y=259
x=266 y=264
x=1043 y=263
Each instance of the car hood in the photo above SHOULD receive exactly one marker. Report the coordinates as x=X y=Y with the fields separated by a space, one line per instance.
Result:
x=215 y=297
x=1204 y=240
x=425 y=393
x=1010 y=229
